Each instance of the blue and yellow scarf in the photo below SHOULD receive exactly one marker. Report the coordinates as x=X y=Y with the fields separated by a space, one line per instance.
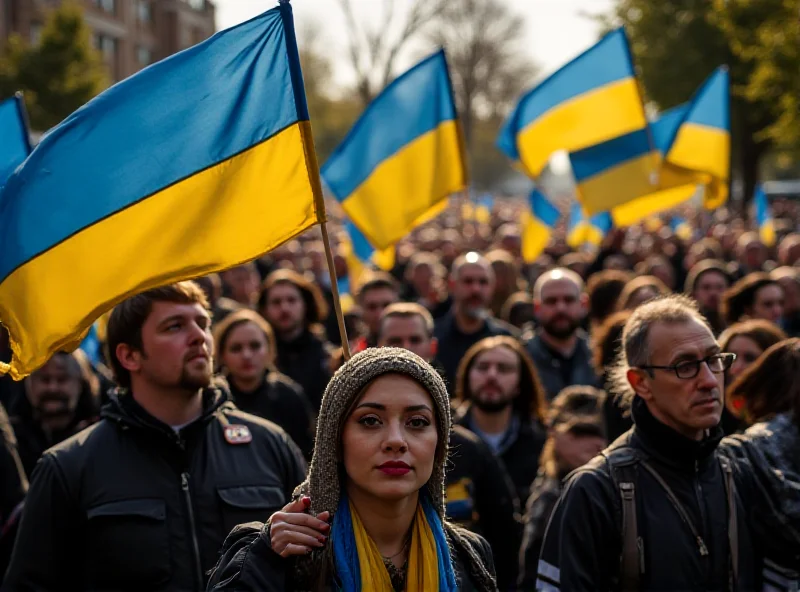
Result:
x=359 y=565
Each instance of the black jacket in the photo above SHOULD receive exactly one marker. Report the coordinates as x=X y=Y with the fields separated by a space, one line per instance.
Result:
x=519 y=451
x=454 y=343
x=249 y=563
x=306 y=361
x=544 y=494
x=129 y=504
x=482 y=499
x=583 y=544
x=281 y=400
x=556 y=372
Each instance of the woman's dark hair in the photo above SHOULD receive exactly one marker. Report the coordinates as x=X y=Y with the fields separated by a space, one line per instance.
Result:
x=607 y=340
x=223 y=331
x=699 y=269
x=531 y=400
x=640 y=283
x=316 y=307
x=603 y=289
x=764 y=333
x=770 y=386
x=514 y=309
x=741 y=296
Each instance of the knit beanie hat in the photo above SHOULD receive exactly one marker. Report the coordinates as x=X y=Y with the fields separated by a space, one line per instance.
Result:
x=322 y=483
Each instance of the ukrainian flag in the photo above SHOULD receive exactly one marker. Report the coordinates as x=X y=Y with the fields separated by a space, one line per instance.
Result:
x=15 y=145
x=582 y=230
x=764 y=220
x=362 y=256
x=538 y=223
x=680 y=227
x=686 y=147
x=197 y=163
x=592 y=99
x=403 y=157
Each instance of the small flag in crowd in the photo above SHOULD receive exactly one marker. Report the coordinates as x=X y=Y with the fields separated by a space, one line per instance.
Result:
x=681 y=228
x=583 y=230
x=764 y=220
x=538 y=223
x=15 y=144
x=592 y=99
x=404 y=156
x=361 y=256
x=167 y=175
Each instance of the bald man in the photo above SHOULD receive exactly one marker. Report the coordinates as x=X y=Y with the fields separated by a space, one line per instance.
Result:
x=471 y=285
x=560 y=348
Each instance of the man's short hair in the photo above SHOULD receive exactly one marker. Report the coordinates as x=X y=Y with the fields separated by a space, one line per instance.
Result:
x=551 y=275
x=407 y=310
x=377 y=280
x=634 y=350
x=128 y=317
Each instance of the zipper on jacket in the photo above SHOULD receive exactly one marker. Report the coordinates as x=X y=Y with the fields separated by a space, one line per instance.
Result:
x=699 y=495
x=193 y=527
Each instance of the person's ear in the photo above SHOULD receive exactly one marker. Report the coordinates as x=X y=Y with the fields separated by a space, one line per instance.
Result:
x=129 y=358
x=640 y=382
x=434 y=347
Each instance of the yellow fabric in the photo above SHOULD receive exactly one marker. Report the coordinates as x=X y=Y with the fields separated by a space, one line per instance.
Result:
x=218 y=218
x=407 y=186
x=423 y=561
x=586 y=120
x=535 y=237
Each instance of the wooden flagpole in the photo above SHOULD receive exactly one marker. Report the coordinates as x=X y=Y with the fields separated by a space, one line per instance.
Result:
x=337 y=305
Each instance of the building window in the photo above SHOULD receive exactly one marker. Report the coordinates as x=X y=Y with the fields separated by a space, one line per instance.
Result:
x=108 y=6
x=143 y=11
x=107 y=46
x=144 y=55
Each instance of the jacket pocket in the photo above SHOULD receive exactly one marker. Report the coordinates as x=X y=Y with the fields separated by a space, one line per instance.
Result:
x=248 y=504
x=121 y=530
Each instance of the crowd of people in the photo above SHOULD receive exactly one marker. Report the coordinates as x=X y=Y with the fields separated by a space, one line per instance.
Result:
x=625 y=417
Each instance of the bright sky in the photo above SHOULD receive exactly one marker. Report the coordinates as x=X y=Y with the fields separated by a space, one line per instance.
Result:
x=556 y=31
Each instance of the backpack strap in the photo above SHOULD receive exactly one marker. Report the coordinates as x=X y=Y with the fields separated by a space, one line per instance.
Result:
x=622 y=462
x=733 y=525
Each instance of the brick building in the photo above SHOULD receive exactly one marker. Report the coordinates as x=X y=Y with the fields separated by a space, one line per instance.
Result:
x=130 y=33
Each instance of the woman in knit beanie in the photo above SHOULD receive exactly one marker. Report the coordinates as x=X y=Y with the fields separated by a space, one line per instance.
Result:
x=377 y=475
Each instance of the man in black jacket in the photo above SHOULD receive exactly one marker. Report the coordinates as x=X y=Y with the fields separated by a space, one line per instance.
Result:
x=143 y=499
x=295 y=308
x=560 y=348
x=660 y=508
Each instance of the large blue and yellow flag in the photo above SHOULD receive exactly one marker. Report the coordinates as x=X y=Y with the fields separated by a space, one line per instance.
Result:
x=592 y=99
x=582 y=230
x=403 y=157
x=702 y=143
x=764 y=220
x=15 y=145
x=538 y=222
x=690 y=145
x=197 y=163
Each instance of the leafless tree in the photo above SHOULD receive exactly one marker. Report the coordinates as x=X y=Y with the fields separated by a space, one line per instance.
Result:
x=373 y=50
x=489 y=66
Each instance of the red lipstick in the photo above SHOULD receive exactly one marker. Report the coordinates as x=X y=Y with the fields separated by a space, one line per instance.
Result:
x=394 y=468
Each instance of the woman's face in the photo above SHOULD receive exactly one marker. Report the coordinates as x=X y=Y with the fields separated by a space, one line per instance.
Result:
x=246 y=353
x=747 y=352
x=575 y=450
x=389 y=440
x=768 y=303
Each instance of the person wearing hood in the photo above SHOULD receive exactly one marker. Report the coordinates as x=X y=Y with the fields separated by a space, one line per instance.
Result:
x=61 y=398
x=245 y=346
x=378 y=476
x=143 y=499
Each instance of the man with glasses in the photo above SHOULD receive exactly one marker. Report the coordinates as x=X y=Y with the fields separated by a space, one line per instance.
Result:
x=660 y=508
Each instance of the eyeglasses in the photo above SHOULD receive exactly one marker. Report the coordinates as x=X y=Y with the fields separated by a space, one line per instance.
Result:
x=691 y=368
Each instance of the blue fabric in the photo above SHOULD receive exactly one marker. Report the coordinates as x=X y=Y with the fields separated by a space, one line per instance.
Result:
x=345 y=553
